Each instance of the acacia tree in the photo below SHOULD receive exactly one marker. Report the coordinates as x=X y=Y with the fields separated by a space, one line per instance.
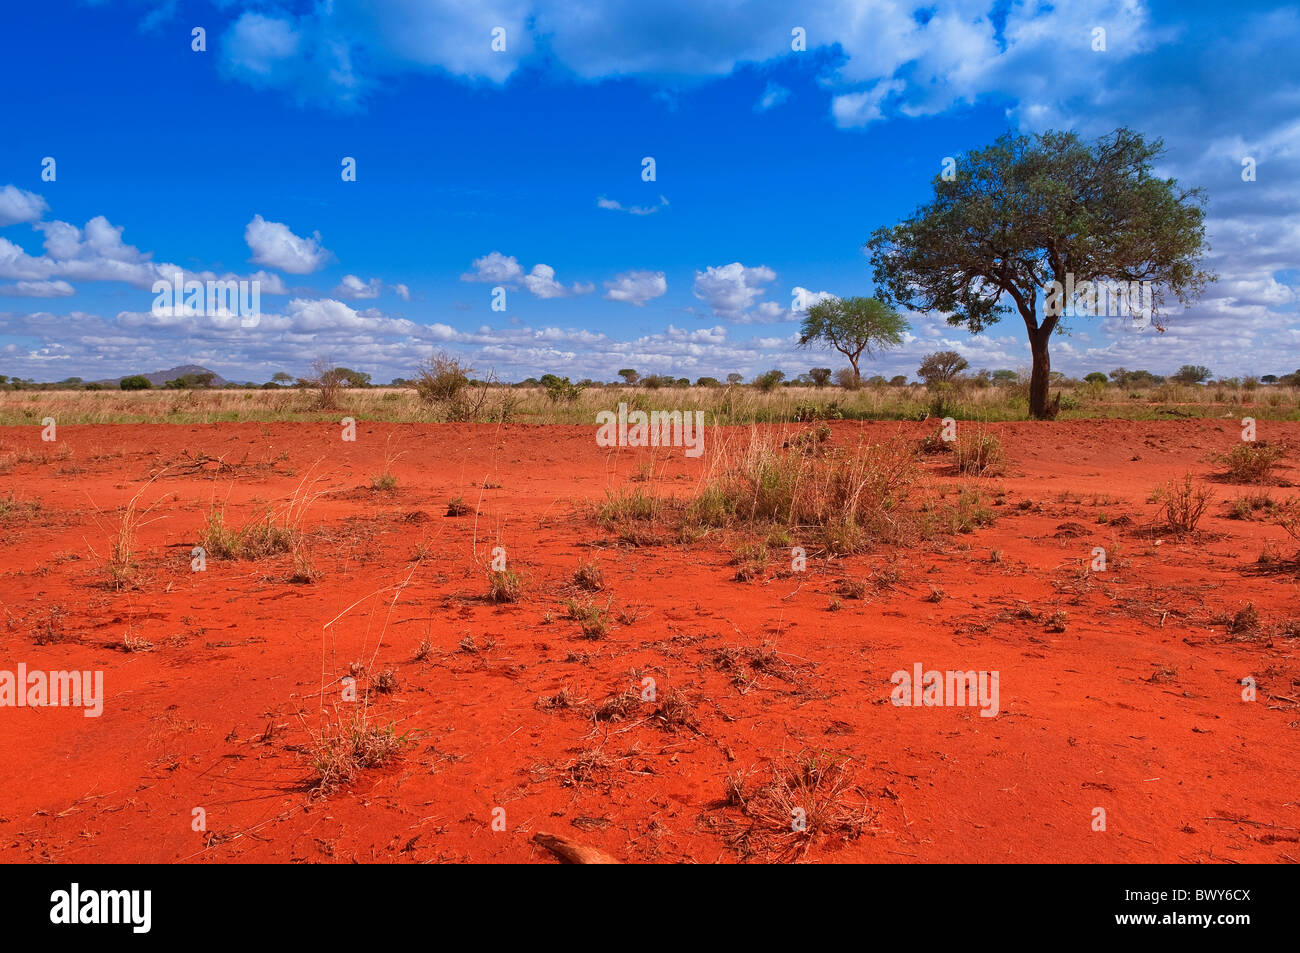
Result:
x=1192 y=374
x=853 y=326
x=941 y=367
x=1025 y=212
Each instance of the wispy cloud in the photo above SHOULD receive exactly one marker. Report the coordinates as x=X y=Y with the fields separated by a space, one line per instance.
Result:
x=614 y=206
x=496 y=268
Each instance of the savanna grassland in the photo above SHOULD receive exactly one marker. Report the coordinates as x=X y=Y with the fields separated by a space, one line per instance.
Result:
x=450 y=641
x=723 y=405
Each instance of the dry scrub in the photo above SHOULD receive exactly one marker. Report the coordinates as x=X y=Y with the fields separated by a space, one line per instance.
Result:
x=843 y=500
x=1251 y=462
x=1181 y=504
x=806 y=799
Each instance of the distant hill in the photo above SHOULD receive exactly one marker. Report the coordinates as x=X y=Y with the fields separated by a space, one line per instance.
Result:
x=160 y=378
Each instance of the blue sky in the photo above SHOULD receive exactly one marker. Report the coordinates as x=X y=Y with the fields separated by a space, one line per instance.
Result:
x=523 y=168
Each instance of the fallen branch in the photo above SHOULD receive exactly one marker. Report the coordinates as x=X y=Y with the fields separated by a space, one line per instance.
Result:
x=571 y=852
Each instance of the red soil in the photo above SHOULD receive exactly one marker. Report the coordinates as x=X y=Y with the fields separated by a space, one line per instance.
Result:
x=1136 y=707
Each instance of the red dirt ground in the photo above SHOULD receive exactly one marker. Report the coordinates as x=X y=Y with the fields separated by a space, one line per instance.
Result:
x=1136 y=707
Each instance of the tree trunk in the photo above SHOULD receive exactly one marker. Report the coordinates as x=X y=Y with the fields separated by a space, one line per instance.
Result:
x=1041 y=376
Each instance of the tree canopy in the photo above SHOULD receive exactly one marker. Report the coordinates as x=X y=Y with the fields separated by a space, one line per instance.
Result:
x=941 y=367
x=853 y=326
x=1025 y=212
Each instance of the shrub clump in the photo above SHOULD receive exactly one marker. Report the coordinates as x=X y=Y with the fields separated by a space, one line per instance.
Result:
x=980 y=455
x=851 y=498
x=259 y=539
x=1251 y=462
x=1182 y=503
x=346 y=749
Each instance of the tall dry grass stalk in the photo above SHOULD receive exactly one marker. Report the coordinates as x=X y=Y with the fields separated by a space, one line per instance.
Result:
x=346 y=740
x=121 y=562
x=276 y=530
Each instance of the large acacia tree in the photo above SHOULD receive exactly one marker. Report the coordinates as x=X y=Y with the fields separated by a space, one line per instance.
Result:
x=1027 y=211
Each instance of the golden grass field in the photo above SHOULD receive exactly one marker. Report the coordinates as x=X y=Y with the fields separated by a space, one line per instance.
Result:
x=724 y=405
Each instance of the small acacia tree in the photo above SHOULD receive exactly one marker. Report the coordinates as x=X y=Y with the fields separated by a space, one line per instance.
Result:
x=560 y=388
x=440 y=378
x=1192 y=374
x=1025 y=212
x=853 y=326
x=328 y=381
x=941 y=367
x=821 y=376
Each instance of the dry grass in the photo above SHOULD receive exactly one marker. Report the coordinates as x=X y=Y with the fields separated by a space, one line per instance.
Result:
x=806 y=799
x=13 y=509
x=121 y=562
x=592 y=619
x=723 y=405
x=347 y=741
x=849 y=499
x=1255 y=506
x=347 y=747
x=843 y=500
x=1251 y=462
x=260 y=538
x=442 y=385
x=504 y=585
x=1181 y=503
x=589 y=576
x=980 y=455
x=274 y=531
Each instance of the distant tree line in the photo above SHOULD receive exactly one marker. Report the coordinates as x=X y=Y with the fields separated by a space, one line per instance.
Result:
x=939 y=369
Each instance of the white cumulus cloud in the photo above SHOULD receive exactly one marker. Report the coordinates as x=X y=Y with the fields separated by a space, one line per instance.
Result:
x=636 y=287
x=732 y=290
x=496 y=268
x=275 y=246
x=18 y=206
x=353 y=287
